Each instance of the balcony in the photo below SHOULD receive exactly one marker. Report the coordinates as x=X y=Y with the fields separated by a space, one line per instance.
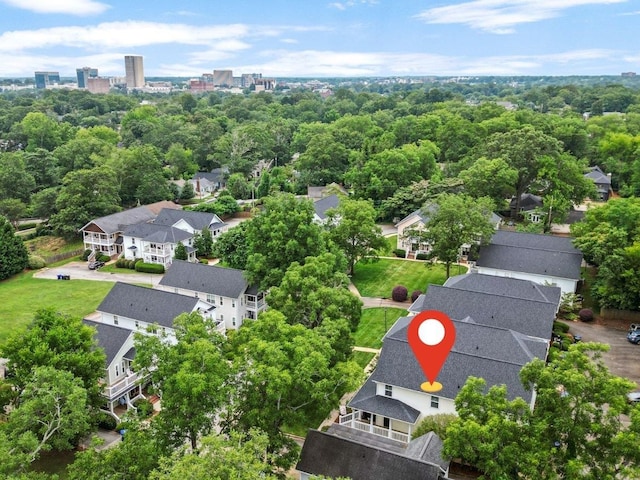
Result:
x=353 y=420
x=161 y=252
x=122 y=386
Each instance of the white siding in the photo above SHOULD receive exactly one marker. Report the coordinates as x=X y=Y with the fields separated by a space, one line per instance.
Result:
x=565 y=284
x=421 y=401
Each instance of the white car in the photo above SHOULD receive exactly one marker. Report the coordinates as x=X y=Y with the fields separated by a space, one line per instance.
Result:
x=633 y=397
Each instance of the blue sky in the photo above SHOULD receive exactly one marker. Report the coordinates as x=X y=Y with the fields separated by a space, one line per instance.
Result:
x=321 y=38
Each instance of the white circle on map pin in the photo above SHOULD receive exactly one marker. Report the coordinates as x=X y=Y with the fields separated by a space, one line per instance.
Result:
x=431 y=332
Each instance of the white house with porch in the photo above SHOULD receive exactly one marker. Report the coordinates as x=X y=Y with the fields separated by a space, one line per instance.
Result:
x=391 y=403
x=234 y=298
x=156 y=243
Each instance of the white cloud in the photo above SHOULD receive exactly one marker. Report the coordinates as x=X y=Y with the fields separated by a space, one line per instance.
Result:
x=289 y=40
x=114 y=35
x=69 y=7
x=501 y=16
x=351 y=3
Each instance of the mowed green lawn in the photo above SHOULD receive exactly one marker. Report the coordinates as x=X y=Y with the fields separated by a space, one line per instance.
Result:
x=22 y=295
x=374 y=323
x=377 y=279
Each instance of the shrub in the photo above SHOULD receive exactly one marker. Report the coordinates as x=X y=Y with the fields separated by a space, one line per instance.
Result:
x=399 y=293
x=204 y=261
x=144 y=407
x=586 y=315
x=400 y=253
x=560 y=327
x=27 y=226
x=103 y=258
x=149 y=267
x=415 y=295
x=120 y=263
x=106 y=421
x=85 y=254
x=434 y=423
x=36 y=262
x=422 y=256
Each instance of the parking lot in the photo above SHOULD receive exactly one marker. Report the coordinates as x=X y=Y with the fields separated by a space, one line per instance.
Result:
x=622 y=358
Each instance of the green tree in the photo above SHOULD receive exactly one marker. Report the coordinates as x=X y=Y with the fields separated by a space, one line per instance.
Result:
x=352 y=228
x=44 y=167
x=181 y=252
x=283 y=376
x=133 y=459
x=574 y=431
x=232 y=246
x=85 y=195
x=233 y=457
x=52 y=412
x=41 y=131
x=284 y=226
x=43 y=203
x=12 y=209
x=455 y=220
x=239 y=186
x=192 y=376
x=181 y=161
x=187 y=192
x=324 y=161
x=15 y=180
x=489 y=178
x=203 y=242
x=13 y=254
x=60 y=342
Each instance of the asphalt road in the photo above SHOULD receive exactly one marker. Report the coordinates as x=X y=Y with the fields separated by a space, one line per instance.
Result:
x=80 y=271
x=623 y=358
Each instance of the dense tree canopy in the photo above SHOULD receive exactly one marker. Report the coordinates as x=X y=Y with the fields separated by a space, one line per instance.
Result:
x=13 y=254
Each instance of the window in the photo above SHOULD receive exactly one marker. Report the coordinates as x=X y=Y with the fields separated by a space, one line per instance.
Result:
x=385 y=422
x=221 y=317
x=233 y=303
x=220 y=300
x=388 y=391
x=133 y=241
x=233 y=321
x=115 y=320
x=251 y=298
x=435 y=401
x=211 y=299
x=117 y=370
x=137 y=324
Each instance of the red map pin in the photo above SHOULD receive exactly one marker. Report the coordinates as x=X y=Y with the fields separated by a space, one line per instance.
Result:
x=431 y=335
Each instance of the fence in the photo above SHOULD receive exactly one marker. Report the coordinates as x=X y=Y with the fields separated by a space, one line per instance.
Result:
x=624 y=315
x=62 y=256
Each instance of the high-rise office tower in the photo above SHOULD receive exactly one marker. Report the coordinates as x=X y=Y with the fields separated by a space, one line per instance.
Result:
x=44 y=79
x=84 y=74
x=134 y=71
x=223 y=78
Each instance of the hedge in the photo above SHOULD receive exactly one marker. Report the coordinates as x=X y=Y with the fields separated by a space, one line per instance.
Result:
x=149 y=267
x=398 y=252
x=399 y=293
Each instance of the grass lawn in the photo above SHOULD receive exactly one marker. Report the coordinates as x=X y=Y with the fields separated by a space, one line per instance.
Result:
x=392 y=243
x=22 y=295
x=363 y=358
x=377 y=279
x=372 y=325
x=111 y=268
x=47 y=245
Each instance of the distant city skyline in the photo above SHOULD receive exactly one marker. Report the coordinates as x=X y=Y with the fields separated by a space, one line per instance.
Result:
x=288 y=38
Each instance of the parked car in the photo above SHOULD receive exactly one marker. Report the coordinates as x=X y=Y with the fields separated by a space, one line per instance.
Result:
x=96 y=265
x=633 y=397
x=634 y=336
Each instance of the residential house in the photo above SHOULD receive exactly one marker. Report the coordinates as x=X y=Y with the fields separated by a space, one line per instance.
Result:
x=128 y=309
x=415 y=222
x=141 y=309
x=104 y=234
x=206 y=183
x=316 y=193
x=321 y=207
x=391 y=403
x=156 y=243
x=531 y=207
x=519 y=305
x=122 y=386
x=544 y=259
x=192 y=222
x=602 y=182
x=350 y=453
x=226 y=288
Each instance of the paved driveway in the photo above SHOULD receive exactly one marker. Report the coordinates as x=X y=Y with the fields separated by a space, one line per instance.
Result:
x=80 y=271
x=623 y=358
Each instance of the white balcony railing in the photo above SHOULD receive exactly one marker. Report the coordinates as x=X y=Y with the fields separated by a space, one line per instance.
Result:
x=353 y=420
x=122 y=386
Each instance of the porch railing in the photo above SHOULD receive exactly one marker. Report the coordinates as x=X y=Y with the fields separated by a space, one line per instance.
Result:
x=353 y=420
x=122 y=386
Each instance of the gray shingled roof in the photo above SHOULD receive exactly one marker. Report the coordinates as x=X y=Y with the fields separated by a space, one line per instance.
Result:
x=215 y=176
x=150 y=232
x=146 y=304
x=197 y=220
x=528 y=201
x=598 y=176
x=117 y=222
x=330 y=455
x=509 y=287
x=321 y=206
x=109 y=337
x=535 y=241
x=367 y=400
x=228 y=282
x=495 y=354
x=530 y=317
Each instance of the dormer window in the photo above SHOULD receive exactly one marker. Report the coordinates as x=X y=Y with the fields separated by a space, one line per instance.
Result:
x=388 y=391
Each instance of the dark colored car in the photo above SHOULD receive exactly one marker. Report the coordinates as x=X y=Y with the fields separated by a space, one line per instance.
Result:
x=96 y=265
x=634 y=336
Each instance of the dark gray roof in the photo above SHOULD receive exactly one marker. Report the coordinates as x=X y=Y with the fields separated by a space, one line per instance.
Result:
x=367 y=400
x=495 y=354
x=131 y=354
x=532 y=253
x=331 y=455
x=598 y=176
x=216 y=175
x=151 y=232
x=528 y=201
x=117 y=222
x=109 y=337
x=146 y=304
x=509 y=287
x=227 y=282
x=321 y=206
x=530 y=317
x=197 y=220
